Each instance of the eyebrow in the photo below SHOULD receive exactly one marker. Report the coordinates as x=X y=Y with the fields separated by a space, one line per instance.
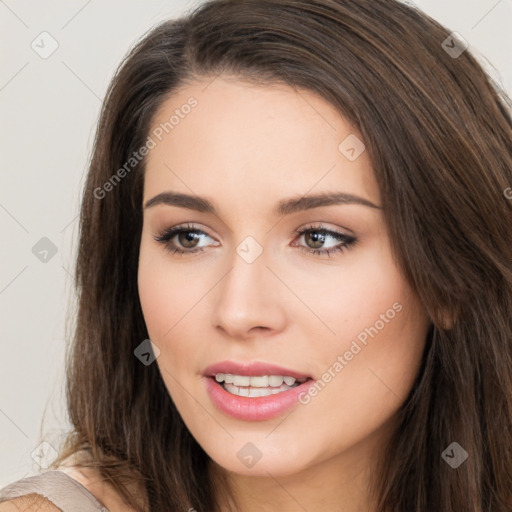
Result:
x=283 y=207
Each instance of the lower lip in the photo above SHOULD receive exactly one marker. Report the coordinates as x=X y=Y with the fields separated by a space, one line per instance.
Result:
x=257 y=408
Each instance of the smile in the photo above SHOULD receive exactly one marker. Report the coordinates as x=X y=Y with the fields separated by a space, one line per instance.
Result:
x=255 y=398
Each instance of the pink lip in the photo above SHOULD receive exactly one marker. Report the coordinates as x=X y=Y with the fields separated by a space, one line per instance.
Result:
x=256 y=408
x=251 y=370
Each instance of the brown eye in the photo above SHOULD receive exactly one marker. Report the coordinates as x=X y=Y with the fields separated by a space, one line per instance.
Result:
x=182 y=239
x=315 y=238
x=188 y=239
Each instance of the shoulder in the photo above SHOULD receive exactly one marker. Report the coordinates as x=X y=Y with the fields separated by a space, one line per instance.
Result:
x=29 y=499
x=29 y=503
x=101 y=489
x=92 y=480
x=88 y=477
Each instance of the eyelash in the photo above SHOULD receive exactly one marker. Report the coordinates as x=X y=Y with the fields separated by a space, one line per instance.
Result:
x=346 y=241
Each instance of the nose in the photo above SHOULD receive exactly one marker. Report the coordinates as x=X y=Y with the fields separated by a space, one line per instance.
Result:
x=249 y=300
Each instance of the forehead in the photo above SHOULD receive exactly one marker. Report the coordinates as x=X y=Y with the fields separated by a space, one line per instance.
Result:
x=223 y=136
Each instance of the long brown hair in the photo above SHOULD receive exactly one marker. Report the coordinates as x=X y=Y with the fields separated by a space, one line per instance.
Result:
x=438 y=130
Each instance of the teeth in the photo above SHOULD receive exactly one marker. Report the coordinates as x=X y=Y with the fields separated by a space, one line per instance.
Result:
x=256 y=382
x=276 y=381
x=263 y=381
x=255 y=392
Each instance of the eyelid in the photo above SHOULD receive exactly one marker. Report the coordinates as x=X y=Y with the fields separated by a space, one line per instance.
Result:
x=323 y=227
x=172 y=231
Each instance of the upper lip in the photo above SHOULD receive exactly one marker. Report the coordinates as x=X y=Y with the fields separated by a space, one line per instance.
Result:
x=252 y=369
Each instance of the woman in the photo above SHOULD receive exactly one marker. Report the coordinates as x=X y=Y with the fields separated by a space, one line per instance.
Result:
x=294 y=269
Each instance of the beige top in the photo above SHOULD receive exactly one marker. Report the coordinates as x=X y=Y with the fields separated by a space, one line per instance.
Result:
x=73 y=487
x=61 y=489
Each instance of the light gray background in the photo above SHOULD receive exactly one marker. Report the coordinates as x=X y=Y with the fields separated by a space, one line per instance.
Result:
x=49 y=108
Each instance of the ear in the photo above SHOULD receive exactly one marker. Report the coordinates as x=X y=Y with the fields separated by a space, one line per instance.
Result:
x=445 y=319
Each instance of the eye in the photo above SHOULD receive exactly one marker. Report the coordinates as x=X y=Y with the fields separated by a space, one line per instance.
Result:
x=317 y=236
x=187 y=237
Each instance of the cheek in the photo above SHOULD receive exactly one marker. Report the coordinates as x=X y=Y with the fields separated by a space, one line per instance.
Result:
x=369 y=366
x=167 y=293
x=167 y=296
x=374 y=321
x=351 y=296
x=154 y=293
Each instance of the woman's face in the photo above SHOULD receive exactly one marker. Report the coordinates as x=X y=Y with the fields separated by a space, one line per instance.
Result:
x=250 y=288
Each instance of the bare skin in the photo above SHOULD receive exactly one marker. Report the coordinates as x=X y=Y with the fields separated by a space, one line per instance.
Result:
x=245 y=148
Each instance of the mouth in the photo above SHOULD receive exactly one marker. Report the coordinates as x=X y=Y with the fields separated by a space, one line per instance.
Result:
x=255 y=397
x=255 y=390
